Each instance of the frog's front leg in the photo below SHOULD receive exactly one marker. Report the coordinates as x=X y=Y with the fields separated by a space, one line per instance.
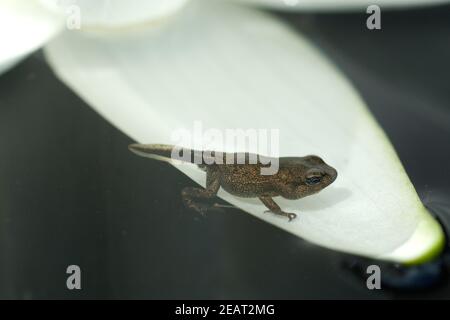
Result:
x=274 y=208
x=191 y=194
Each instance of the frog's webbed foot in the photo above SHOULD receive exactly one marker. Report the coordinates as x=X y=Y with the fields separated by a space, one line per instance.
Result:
x=198 y=199
x=289 y=215
x=201 y=208
x=275 y=209
x=191 y=196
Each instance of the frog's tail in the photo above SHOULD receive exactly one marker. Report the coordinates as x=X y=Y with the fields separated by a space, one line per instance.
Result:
x=161 y=152
x=167 y=153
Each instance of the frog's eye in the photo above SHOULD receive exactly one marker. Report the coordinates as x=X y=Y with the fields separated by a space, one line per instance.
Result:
x=313 y=176
x=313 y=180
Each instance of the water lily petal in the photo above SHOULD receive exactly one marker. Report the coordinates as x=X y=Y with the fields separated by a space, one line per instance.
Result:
x=115 y=13
x=233 y=67
x=24 y=26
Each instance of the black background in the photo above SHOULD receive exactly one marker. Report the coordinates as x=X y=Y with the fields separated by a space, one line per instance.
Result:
x=71 y=192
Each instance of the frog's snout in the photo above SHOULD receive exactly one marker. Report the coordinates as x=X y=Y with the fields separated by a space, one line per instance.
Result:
x=332 y=172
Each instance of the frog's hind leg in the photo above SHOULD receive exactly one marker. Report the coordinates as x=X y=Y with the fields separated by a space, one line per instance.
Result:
x=191 y=194
x=274 y=208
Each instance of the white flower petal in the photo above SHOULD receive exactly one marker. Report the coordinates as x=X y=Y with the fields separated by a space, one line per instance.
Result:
x=233 y=67
x=24 y=26
x=116 y=13
x=337 y=5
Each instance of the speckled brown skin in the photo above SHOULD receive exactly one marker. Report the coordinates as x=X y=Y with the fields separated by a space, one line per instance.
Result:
x=297 y=177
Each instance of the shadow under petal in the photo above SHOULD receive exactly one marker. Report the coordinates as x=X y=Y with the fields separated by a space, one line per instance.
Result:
x=325 y=199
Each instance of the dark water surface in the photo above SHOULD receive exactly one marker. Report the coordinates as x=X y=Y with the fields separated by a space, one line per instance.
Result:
x=71 y=193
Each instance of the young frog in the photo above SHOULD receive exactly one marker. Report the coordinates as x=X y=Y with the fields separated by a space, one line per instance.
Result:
x=296 y=177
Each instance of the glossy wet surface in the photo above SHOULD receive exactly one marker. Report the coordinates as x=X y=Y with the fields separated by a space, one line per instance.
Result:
x=72 y=193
